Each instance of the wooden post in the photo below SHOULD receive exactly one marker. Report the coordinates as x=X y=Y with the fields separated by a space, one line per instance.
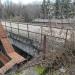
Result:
x=44 y=47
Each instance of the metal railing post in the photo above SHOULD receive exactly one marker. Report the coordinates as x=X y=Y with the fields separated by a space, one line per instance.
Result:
x=65 y=44
x=28 y=30
x=5 y=25
x=11 y=26
x=18 y=28
x=41 y=34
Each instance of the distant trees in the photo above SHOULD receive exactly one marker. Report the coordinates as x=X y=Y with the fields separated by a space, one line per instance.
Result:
x=73 y=9
x=60 y=9
x=26 y=13
x=57 y=8
x=21 y=12
x=0 y=9
x=33 y=11
x=63 y=8
x=66 y=8
x=45 y=9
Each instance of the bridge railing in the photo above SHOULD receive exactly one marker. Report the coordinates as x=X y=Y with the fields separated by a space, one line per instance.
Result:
x=57 y=34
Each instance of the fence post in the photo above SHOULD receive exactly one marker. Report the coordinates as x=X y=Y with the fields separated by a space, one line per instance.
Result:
x=66 y=38
x=5 y=25
x=41 y=34
x=18 y=29
x=28 y=30
x=44 y=47
x=11 y=26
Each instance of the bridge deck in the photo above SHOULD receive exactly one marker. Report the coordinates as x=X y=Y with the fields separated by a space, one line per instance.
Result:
x=15 y=58
x=3 y=58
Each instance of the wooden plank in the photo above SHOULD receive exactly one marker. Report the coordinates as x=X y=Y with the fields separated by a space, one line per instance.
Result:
x=15 y=57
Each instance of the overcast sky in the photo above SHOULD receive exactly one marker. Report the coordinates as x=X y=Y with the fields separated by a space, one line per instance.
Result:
x=25 y=1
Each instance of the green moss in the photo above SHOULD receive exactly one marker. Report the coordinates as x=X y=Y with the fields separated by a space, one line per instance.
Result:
x=39 y=69
x=18 y=73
